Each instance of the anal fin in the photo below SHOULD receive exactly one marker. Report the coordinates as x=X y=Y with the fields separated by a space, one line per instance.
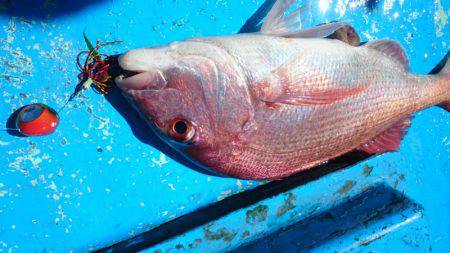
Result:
x=445 y=106
x=389 y=140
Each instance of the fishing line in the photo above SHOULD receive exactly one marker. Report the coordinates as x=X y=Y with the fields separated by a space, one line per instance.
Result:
x=9 y=129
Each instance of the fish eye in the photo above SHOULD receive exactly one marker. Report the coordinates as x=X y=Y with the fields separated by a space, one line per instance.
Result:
x=181 y=130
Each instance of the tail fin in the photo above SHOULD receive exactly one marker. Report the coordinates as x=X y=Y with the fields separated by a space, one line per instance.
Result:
x=443 y=70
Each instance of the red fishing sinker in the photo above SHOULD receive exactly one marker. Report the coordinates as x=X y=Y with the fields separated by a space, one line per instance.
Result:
x=37 y=120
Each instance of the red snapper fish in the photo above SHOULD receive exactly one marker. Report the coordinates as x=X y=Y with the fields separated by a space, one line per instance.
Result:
x=269 y=104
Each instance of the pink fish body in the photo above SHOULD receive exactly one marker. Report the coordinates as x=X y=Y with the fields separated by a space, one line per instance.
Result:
x=270 y=104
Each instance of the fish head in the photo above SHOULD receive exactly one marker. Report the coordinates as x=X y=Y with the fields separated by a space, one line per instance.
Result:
x=196 y=106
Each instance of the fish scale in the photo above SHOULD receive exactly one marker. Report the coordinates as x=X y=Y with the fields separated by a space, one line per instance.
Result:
x=293 y=140
x=287 y=101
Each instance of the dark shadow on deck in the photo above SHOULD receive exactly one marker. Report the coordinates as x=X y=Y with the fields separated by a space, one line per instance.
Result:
x=43 y=9
x=372 y=5
x=219 y=209
x=374 y=204
x=11 y=124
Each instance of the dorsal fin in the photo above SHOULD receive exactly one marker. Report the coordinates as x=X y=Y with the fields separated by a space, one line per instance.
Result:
x=391 y=49
x=320 y=31
x=388 y=140
x=277 y=22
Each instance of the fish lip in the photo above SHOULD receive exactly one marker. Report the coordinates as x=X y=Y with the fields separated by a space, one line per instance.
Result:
x=128 y=73
x=132 y=75
x=128 y=64
x=121 y=80
x=146 y=80
x=125 y=70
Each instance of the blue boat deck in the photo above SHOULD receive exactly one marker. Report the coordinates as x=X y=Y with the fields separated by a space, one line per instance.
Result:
x=99 y=182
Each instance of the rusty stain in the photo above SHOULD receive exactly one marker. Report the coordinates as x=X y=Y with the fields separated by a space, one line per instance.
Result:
x=64 y=142
x=400 y=178
x=257 y=214
x=348 y=185
x=195 y=244
x=245 y=234
x=221 y=234
x=288 y=204
x=366 y=243
x=367 y=170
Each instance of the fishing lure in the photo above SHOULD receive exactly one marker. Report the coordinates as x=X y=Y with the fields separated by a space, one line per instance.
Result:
x=40 y=119
x=96 y=69
x=37 y=120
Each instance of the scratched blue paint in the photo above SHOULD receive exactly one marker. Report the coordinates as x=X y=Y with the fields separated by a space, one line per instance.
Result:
x=93 y=183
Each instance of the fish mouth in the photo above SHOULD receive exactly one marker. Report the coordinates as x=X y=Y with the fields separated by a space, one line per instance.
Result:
x=145 y=80
x=131 y=80
x=128 y=75
x=134 y=74
x=126 y=80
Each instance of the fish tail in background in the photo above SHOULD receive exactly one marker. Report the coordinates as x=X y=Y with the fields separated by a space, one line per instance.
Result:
x=443 y=70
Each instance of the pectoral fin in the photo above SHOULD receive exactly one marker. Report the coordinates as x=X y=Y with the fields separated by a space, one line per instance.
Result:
x=318 y=97
x=294 y=84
